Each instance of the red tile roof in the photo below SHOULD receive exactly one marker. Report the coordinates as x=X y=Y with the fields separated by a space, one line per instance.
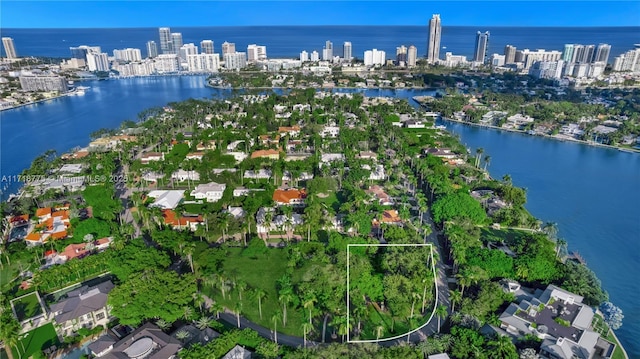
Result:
x=265 y=153
x=41 y=212
x=286 y=196
x=75 y=251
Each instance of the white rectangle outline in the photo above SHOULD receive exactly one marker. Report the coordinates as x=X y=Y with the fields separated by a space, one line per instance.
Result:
x=435 y=282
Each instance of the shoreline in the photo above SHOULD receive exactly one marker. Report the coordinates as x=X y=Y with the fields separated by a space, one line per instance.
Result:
x=589 y=143
x=37 y=102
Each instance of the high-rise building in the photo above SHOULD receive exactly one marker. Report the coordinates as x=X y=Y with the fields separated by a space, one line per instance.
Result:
x=327 y=51
x=589 y=52
x=498 y=60
x=97 y=61
x=529 y=57
x=203 y=62
x=315 y=56
x=129 y=55
x=80 y=52
x=206 y=46
x=509 y=54
x=412 y=56
x=152 y=49
x=567 y=54
x=578 y=53
x=374 y=57
x=401 y=55
x=228 y=48
x=166 y=63
x=237 y=60
x=602 y=53
x=256 y=53
x=186 y=50
x=43 y=83
x=304 y=56
x=435 y=31
x=482 y=42
x=629 y=61
x=347 y=51
x=9 y=48
x=176 y=41
x=165 y=40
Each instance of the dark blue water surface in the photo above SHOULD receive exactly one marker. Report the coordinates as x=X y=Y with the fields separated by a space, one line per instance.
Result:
x=592 y=193
x=289 y=41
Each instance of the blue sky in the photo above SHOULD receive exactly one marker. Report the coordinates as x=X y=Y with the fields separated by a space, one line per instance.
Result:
x=79 y=14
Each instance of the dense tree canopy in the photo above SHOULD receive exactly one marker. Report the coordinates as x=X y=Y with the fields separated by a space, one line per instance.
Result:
x=456 y=205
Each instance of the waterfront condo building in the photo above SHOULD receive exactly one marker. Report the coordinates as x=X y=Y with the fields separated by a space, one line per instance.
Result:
x=203 y=62
x=97 y=61
x=152 y=49
x=186 y=50
x=9 y=48
x=315 y=56
x=412 y=56
x=509 y=54
x=327 y=51
x=166 y=63
x=228 y=48
x=256 y=53
x=80 y=52
x=602 y=53
x=374 y=57
x=347 y=52
x=176 y=41
x=165 y=40
x=482 y=42
x=206 y=46
x=435 y=31
x=43 y=83
x=129 y=55
x=304 y=56
x=236 y=60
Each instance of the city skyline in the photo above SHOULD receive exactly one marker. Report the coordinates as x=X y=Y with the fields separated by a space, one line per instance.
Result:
x=117 y=14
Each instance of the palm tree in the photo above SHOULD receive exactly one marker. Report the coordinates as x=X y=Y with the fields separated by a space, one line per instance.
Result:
x=456 y=297
x=182 y=335
x=187 y=313
x=502 y=347
x=285 y=298
x=379 y=331
x=464 y=280
x=309 y=304
x=306 y=328
x=479 y=152
x=259 y=294
x=163 y=324
x=203 y=323
x=238 y=308
x=415 y=296
x=241 y=286
x=441 y=312
x=487 y=160
x=274 y=319
x=217 y=307
x=9 y=335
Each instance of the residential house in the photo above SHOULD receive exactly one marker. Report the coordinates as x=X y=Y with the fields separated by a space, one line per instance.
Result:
x=517 y=121
x=182 y=175
x=259 y=174
x=390 y=216
x=330 y=131
x=289 y=197
x=181 y=222
x=151 y=176
x=268 y=140
x=367 y=155
x=151 y=156
x=238 y=156
x=236 y=212
x=327 y=158
x=377 y=174
x=85 y=307
x=52 y=225
x=195 y=156
x=441 y=152
x=73 y=251
x=166 y=199
x=238 y=352
x=211 y=191
x=561 y=320
x=73 y=168
x=267 y=222
x=292 y=131
x=271 y=154
x=207 y=145
x=380 y=195
x=240 y=191
x=148 y=342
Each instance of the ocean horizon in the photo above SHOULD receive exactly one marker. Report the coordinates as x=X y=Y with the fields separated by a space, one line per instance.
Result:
x=289 y=41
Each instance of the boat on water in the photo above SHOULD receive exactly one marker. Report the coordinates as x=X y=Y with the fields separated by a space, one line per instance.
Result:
x=78 y=91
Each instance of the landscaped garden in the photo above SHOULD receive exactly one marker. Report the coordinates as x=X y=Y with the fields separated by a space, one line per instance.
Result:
x=27 y=306
x=34 y=342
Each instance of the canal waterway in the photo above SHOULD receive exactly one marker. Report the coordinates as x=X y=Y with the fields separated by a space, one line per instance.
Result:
x=592 y=193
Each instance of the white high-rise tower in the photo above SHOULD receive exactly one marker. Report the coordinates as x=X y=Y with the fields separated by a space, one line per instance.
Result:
x=435 y=31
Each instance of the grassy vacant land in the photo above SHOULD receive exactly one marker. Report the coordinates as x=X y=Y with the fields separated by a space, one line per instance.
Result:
x=499 y=235
x=258 y=272
x=27 y=306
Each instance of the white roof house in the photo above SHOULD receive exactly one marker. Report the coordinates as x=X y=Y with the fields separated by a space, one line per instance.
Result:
x=211 y=191
x=236 y=212
x=152 y=176
x=330 y=131
x=377 y=174
x=239 y=156
x=166 y=199
x=182 y=175
x=74 y=168
x=326 y=158
x=259 y=174
x=240 y=191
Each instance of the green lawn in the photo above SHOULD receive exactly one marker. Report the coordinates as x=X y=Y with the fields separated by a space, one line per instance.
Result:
x=35 y=341
x=331 y=201
x=497 y=235
x=599 y=326
x=258 y=273
x=8 y=273
x=27 y=307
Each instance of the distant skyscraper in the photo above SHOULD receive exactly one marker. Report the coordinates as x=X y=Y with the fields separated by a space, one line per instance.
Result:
x=129 y=55
x=304 y=56
x=327 y=51
x=602 y=53
x=567 y=54
x=578 y=53
x=315 y=56
x=482 y=42
x=228 y=48
x=236 y=60
x=206 y=46
x=412 y=56
x=97 y=61
x=256 y=52
x=401 y=55
x=152 y=49
x=186 y=50
x=374 y=57
x=509 y=54
x=433 y=47
x=9 y=48
x=589 y=52
x=165 y=40
x=347 y=51
x=176 y=41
